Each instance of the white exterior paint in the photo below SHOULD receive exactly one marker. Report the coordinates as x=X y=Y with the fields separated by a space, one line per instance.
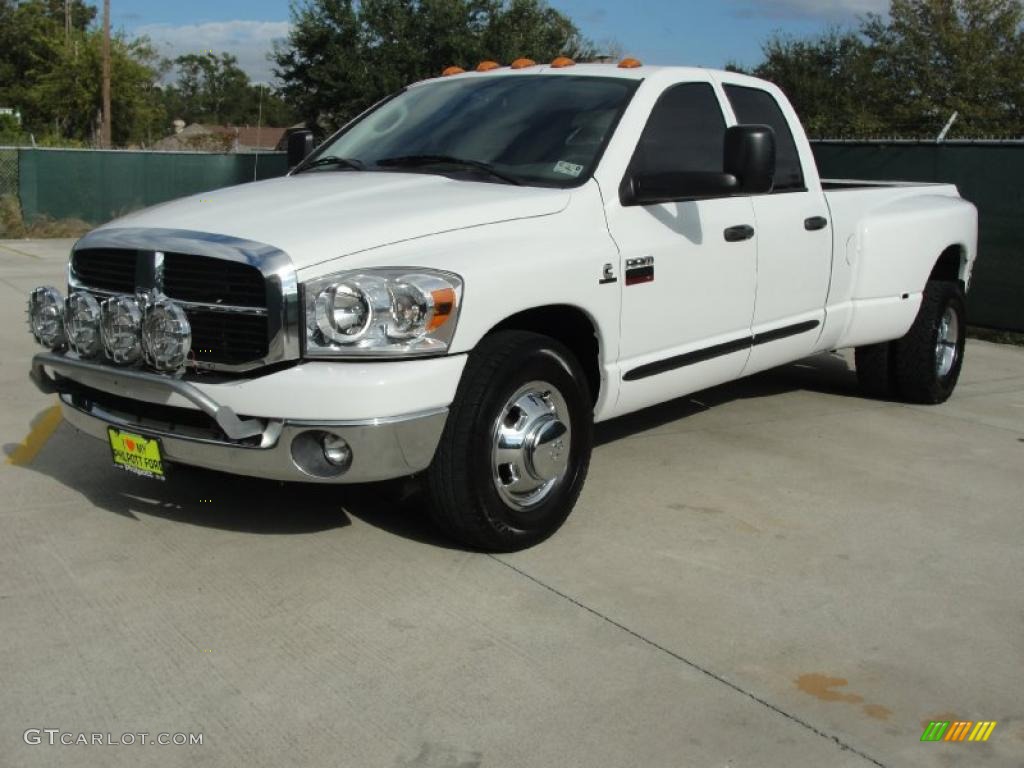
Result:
x=520 y=248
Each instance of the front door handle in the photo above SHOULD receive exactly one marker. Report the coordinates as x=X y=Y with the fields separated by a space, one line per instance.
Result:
x=739 y=234
x=815 y=223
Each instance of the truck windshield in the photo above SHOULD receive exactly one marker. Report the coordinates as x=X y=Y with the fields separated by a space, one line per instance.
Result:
x=526 y=129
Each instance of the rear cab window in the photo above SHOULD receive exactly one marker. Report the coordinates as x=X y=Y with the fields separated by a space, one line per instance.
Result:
x=754 y=106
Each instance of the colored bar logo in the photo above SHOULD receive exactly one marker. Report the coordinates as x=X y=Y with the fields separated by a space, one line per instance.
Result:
x=960 y=730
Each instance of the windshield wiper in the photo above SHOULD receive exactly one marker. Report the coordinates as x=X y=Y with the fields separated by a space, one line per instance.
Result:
x=338 y=162
x=416 y=161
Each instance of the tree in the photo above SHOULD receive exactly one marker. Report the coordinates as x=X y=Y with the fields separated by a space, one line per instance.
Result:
x=54 y=78
x=937 y=57
x=69 y=93
x=82 y=14
x=830 y=80
x=214 y=90
x=343 y=56
x=905 y=74
x=210 y=87
x=10 y=130
x=535 y=30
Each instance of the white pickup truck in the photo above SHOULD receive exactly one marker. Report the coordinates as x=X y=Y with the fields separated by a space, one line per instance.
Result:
x=463 y=280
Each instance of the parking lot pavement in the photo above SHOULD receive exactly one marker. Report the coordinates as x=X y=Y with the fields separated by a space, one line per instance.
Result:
x=772 y=573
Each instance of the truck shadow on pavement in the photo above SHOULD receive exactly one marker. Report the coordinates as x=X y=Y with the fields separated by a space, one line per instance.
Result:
x=250 y=505
x=189 y=495
x=828 y=374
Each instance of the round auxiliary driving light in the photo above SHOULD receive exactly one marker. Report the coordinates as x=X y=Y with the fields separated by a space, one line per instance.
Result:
x=46 y=316
x=166 y=335
x=122 y=326
x=83 y=319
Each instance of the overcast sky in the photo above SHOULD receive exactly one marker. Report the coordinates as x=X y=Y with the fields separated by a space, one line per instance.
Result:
x=698 y=32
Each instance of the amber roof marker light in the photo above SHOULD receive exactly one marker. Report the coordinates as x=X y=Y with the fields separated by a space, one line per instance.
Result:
x=452 y=71
x=523 y=63
x=487 y=66
x=562 y=62
x=630 y=63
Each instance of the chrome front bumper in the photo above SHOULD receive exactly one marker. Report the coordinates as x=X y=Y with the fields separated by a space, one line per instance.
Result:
x=277 y=449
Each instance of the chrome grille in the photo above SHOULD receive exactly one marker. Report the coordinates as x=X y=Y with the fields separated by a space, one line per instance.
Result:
x=228 y=338
x=106 y=269
x=228 y=303
x=213 y=281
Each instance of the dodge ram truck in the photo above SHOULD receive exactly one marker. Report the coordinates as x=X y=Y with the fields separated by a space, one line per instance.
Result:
x=463 y=280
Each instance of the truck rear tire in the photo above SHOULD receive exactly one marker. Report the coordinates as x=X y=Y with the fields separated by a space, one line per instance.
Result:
x=516 y=447
x=928 y=360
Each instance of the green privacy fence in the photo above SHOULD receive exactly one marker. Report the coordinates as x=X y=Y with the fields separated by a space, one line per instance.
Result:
x=97 y=186
x=990 y=175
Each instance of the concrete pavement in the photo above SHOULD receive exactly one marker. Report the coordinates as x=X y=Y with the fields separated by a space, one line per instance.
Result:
x=772 y=573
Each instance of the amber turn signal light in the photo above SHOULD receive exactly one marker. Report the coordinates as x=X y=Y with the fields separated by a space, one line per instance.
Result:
x=487 y=66
x=562 y=62
x=452 y=71
x=630 y=64
x=523 y=63
x=444 y=303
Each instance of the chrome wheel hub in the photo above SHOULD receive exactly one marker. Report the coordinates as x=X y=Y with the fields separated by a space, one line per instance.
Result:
x=531 y=440
x=946 y=350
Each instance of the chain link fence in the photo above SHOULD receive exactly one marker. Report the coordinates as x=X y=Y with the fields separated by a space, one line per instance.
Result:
x=8 y=171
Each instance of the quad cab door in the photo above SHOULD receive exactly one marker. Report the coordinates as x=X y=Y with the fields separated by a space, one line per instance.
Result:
x=688 y=268
x=794 y=237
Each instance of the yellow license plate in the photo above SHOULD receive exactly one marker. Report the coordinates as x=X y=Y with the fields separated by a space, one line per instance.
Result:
x=136 y=454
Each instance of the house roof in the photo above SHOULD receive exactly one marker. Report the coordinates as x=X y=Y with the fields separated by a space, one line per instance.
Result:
x=224 y=138
x=264 y=137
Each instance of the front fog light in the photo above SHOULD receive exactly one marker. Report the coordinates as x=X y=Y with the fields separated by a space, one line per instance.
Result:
x=83 y=318
x=122 y=326
x=46 y=316
x=166 y=335
x=321 y=455
x=336 y=450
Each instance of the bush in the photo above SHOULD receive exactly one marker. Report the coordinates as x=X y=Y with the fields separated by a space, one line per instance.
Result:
x=10 y=131
x=13 y=225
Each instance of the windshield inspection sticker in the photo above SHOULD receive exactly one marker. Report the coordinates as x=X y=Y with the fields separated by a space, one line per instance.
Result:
x=569 y=169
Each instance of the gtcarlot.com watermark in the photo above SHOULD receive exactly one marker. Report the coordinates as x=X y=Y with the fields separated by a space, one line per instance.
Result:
x=55 y=736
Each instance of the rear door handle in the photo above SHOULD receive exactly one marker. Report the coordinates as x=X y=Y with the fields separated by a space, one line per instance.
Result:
x=815 y=223
x=739 y=234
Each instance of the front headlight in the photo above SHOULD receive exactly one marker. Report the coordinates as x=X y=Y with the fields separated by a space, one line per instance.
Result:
x=398 y=312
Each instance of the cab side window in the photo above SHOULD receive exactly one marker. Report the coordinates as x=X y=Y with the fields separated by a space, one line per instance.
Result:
x=757 y=107
x=685 y=133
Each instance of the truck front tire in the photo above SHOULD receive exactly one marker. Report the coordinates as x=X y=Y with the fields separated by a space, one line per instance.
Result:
x=516 y=447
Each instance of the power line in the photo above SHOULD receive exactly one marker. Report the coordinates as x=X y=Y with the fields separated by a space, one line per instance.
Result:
x=105 y=126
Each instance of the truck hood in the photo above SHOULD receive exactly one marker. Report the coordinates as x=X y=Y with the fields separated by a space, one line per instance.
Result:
x=315 y=217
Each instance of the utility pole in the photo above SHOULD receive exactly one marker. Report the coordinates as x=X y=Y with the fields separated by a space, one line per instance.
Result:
x=105 y=127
